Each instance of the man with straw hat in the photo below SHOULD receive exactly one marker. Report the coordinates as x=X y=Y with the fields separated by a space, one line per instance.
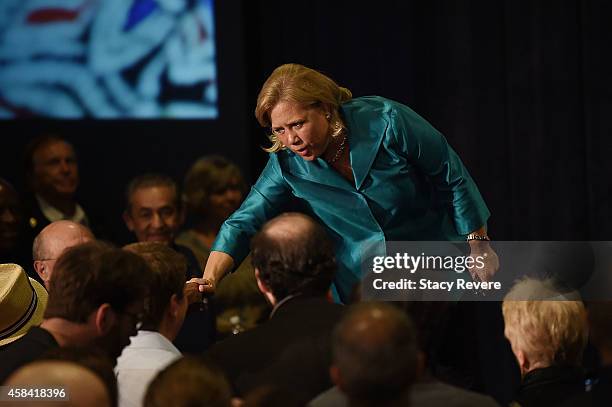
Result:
x=96 y=299
x=22 y=303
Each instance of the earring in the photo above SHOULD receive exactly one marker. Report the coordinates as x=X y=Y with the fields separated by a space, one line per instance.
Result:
x=327 y=116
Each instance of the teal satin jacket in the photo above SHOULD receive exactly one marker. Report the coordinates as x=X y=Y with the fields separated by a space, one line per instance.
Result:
x=409 y=185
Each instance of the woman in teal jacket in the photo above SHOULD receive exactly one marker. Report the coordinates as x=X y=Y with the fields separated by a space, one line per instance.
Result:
x=370 y=169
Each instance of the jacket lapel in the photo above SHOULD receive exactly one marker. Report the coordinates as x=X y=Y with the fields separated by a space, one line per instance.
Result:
x=366 y=131
x=367 y=128
x=317 y=171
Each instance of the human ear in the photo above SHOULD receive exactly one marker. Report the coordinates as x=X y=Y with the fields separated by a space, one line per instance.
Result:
x=326 y=109
x=335 y=376
x=260 y=284
x=129 y=222
x=264 y=289
x=175 y=305
x=523 y=361
x=41 y=270
x=104 y=319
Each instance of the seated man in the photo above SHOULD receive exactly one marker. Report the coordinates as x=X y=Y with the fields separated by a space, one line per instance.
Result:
x=96 y=298
x=548 y=335
x=152 y=350
x=427 y=391
x=375 y=355
x=154 y=214
x=294 y=265
x=52 y=173
x=51 y=243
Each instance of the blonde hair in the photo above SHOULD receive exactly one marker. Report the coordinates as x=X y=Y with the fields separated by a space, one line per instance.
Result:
x=307 y=87
x=552 y=332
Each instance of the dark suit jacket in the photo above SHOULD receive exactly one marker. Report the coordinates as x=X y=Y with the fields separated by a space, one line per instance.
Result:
x=550 y=386
x=291 y=351
x=24 y=350
x=598 y=392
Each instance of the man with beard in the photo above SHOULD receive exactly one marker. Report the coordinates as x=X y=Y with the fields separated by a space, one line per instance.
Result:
x=96 y=299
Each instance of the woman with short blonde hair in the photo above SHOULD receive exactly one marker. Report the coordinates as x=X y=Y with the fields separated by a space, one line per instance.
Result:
x=299 y=84
x=369 y=169
x=548 y=334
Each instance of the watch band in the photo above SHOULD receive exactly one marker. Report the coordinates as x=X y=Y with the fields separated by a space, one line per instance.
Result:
x=476 y=236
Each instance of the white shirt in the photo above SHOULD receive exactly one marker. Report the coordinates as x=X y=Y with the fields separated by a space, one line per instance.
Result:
x=148 y=353
x=53 y=214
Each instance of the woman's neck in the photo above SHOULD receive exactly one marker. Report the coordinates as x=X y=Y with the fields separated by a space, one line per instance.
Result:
x=336 y=149
x=343 y=166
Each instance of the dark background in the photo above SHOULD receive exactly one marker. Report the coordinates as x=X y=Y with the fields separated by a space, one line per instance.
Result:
x=521 y=89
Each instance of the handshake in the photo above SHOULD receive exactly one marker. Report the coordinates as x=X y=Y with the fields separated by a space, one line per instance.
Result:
x=197 y=289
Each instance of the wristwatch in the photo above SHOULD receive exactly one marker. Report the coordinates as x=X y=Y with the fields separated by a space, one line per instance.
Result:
x=476 y=236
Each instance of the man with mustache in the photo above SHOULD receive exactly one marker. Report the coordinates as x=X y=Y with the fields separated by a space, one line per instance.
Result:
x=154 y=214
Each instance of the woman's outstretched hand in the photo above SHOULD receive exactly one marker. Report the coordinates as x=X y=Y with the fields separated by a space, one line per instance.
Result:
x=482 y=250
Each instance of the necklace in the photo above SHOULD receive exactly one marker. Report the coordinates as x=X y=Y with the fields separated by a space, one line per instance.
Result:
x=339 y=151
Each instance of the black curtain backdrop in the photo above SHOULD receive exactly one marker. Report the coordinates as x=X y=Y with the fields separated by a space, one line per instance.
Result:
x=521 y=89
x=111 y=152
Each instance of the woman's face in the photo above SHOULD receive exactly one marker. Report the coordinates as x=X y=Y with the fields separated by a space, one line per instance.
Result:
x=305 y=131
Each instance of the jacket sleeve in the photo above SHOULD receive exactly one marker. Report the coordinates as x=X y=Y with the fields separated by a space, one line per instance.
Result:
x=428 y=150
x=266 y=199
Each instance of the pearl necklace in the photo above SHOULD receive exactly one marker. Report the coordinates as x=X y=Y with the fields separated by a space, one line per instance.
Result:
x=339 y=151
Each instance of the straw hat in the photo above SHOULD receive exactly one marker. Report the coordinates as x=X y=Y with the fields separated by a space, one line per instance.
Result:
x=22 y=303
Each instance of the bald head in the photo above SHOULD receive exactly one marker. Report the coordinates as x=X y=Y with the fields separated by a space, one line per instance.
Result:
x=374 y=353
x=83 y=387
x=293 y=254
x=290 y=227
x=374 y=324
x=52 y=241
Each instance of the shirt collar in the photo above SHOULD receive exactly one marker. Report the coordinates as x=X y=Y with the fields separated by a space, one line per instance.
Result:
x=152 y=339
x=54 y=214
x=281 y=302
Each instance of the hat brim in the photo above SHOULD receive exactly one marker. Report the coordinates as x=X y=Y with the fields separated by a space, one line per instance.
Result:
x=37 y=315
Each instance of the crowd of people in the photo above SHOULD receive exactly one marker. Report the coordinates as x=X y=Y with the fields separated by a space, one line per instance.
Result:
x=248 y=304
